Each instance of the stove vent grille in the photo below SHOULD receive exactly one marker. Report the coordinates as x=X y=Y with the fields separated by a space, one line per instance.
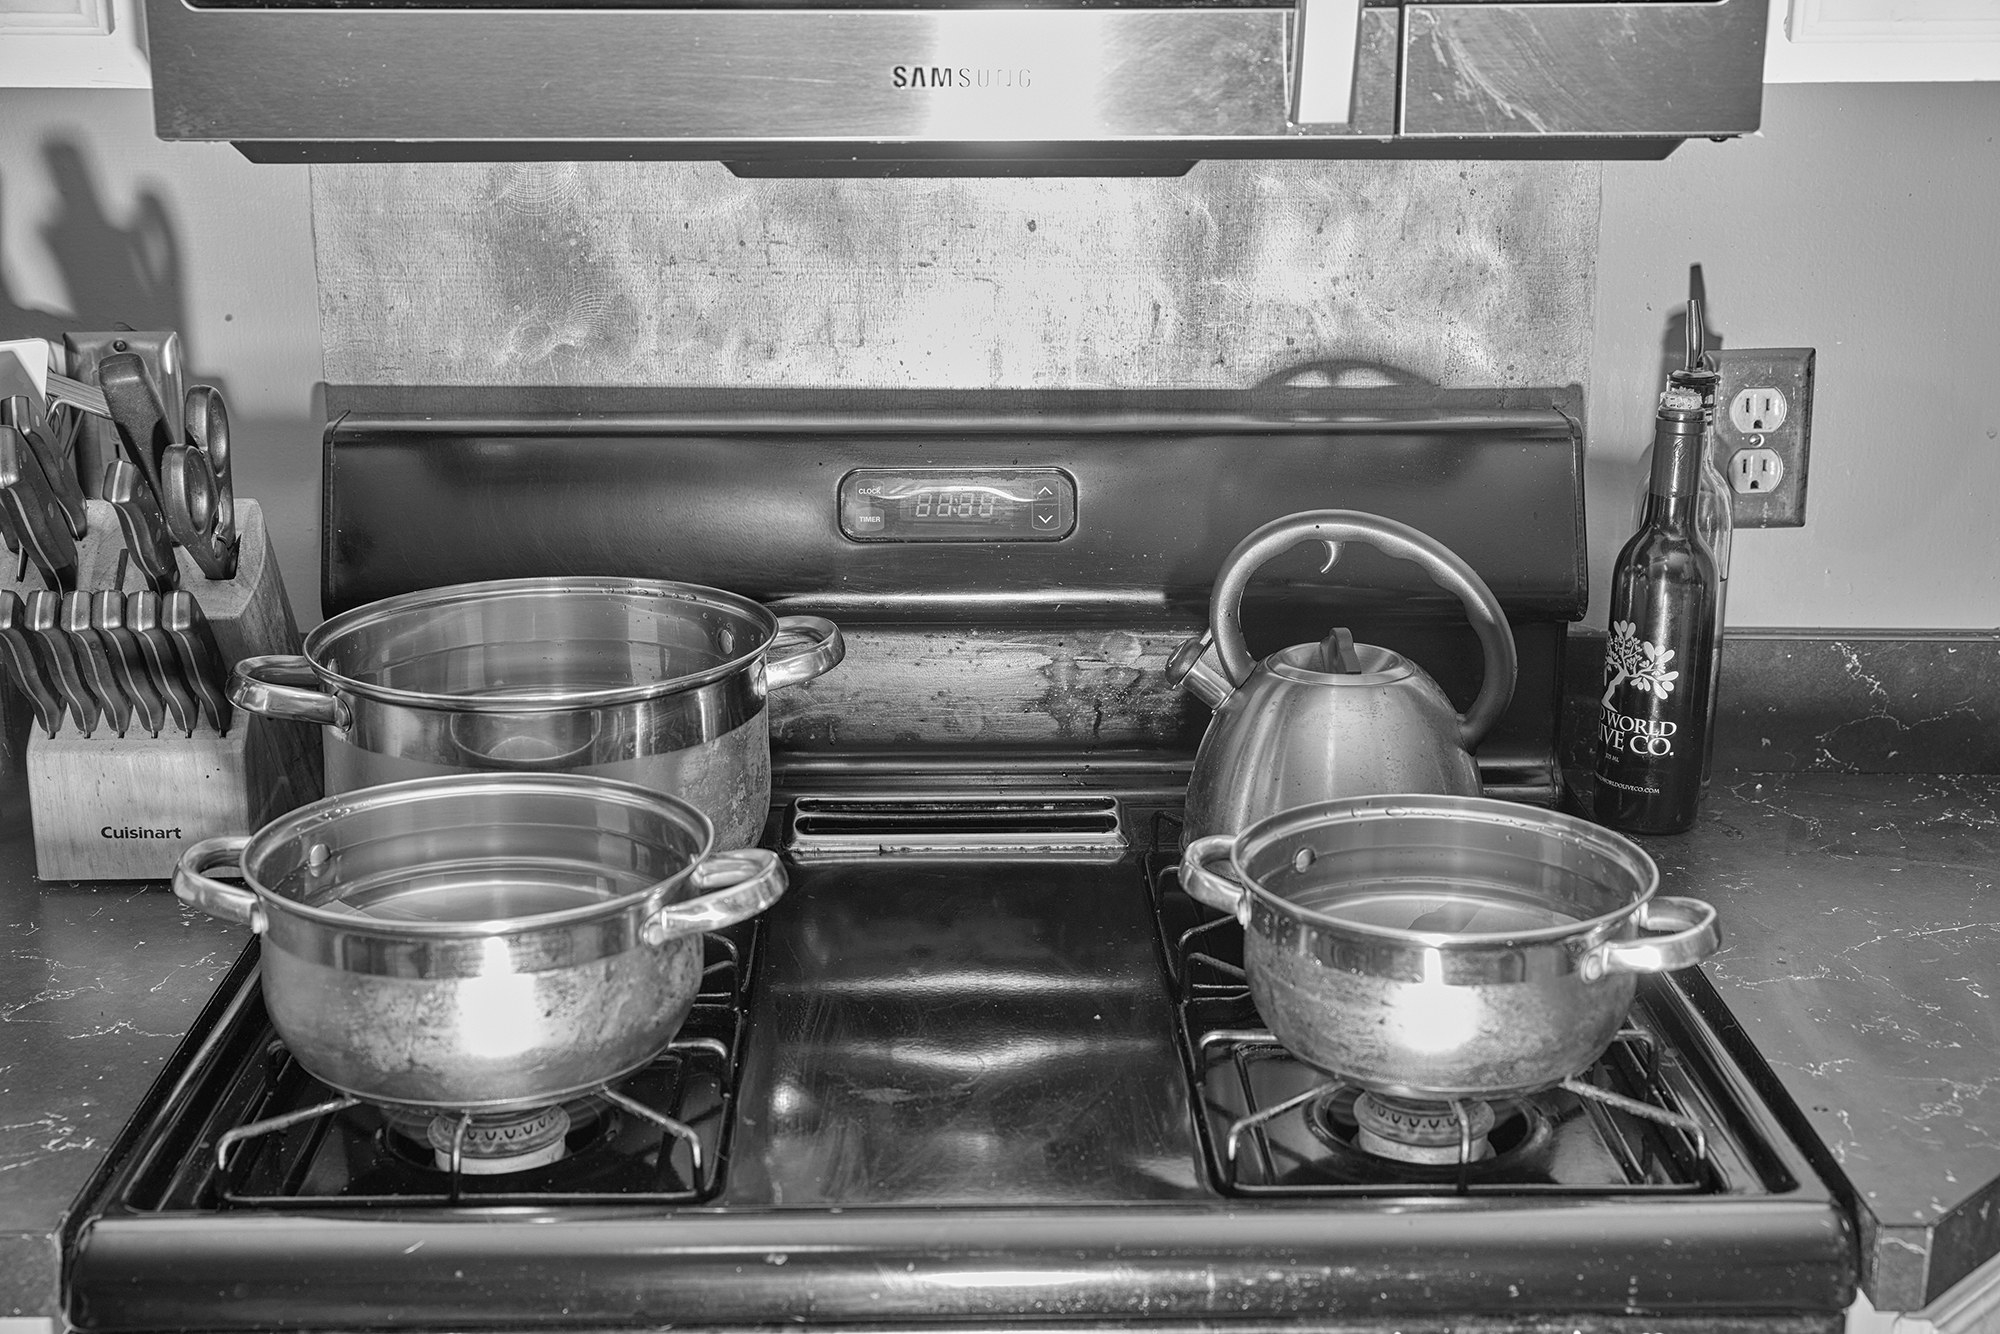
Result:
x=1060 y=828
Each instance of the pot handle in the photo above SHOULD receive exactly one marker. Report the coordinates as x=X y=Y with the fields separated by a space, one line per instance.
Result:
x=196 y=888
x=823 y=651
x=1218 y=892
x=1446 y=569
x=283 y=685
x=1692 y=936
x=740 y=885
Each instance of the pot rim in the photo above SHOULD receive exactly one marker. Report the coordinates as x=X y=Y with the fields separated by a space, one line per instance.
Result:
x=1479 y=810
x=358 y=619
x=299 y=824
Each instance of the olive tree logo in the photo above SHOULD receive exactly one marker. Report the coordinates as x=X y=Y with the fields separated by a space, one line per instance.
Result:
x=1640 y=661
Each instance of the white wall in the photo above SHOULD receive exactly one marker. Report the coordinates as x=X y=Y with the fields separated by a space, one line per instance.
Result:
x=1861 y=222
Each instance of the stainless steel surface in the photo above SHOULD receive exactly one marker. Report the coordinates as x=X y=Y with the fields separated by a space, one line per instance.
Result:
x=162 y=662
x=25 y=408
x=651 y=682
x=1326 y=49
x=1287 y=732
x=34 y=514
x=94 y=656
x=144 y=526
x=483 y=941
x=159 y=352
x=202 y=667
x=197 y=486
x=1445 y=947
x=24 y=663
x=949 y=828
x=1096 y=86
x=144 y=426
x=43 y=621
x=128 y=662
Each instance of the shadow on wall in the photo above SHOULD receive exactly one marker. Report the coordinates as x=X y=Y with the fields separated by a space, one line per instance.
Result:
x=116 y=276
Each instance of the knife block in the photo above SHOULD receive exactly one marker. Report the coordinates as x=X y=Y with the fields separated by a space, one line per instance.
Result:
x=108 y=807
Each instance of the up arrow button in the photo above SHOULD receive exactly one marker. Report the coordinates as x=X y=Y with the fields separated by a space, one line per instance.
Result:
x=1043 y=490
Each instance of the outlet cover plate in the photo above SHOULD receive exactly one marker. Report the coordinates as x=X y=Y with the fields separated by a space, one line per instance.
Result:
x=1789 y=370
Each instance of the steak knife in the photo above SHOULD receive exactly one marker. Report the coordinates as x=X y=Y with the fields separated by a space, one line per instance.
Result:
x=197 y=491
x=145 y=527
x=24 y=664
x=44 y=622
x=107 y=618
x=142 y=619
x=200 y=658
x=36 y=517
x=95 y=659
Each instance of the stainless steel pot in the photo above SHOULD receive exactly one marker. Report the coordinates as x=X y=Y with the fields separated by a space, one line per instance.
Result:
x=655 y=683
x=1445 y=947
x=481 y=942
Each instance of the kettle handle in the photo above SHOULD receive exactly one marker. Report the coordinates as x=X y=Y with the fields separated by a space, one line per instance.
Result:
x=1446 y=569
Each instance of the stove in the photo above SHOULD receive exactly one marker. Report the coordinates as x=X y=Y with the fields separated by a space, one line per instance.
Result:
x=986 y=1063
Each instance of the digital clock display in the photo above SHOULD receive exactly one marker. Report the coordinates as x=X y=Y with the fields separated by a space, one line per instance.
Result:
x=957 y=505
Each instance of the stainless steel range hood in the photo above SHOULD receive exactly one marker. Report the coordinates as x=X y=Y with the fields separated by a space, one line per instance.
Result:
x=1085 y=87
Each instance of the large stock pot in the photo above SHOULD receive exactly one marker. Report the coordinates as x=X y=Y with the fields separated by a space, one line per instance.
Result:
x=650 y=682
x=1444 y=947
x=485 y=941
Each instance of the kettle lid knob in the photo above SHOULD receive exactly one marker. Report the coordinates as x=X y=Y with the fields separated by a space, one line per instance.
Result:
x=1336 y=653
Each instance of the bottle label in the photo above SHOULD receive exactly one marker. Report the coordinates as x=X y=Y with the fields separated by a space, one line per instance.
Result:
x=1647 y=668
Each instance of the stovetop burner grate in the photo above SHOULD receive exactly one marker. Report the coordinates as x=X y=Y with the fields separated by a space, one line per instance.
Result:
x=277 y=1138
x=1272 y=1125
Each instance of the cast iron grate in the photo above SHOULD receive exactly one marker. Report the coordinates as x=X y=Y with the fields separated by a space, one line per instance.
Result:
x=276 y=1138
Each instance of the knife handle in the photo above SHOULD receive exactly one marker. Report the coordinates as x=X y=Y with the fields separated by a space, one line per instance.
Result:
x=142 y=618
x=44 y=621
x=92 y=656
x=137 y=412
x=201 y=660
x=24 y=665
x=146 y=535
x=38 y=521
x=190 y=497
x=24 y=415
x=107 y=618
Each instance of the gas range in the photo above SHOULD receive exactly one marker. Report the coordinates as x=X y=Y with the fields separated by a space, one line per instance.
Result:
x=985 y=1063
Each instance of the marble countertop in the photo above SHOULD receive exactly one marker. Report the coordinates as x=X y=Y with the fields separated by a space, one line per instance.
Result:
x=1862 y=922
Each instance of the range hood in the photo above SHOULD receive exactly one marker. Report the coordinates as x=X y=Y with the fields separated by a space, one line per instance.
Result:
x=831 y=88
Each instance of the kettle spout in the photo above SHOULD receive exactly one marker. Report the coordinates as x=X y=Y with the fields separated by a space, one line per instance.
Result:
x=1197 y=668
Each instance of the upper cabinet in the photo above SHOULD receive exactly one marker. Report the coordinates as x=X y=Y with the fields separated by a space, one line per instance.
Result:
x=1882 y=41
x=72 y=44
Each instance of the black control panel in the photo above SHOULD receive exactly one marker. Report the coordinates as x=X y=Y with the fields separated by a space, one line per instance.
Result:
x=957 y=504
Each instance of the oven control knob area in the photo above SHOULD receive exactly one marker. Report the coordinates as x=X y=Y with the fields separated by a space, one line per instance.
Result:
x=957 y=505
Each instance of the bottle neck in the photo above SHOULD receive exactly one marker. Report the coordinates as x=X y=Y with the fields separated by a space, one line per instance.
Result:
x=1677 y=447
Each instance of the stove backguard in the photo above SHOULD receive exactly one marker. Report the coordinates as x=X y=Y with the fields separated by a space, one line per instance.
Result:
x=1018 y=643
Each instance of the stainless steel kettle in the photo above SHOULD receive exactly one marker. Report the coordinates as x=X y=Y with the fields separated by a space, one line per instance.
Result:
x=1335 y=719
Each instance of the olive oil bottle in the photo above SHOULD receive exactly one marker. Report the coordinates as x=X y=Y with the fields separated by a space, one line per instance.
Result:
x=1653 y=717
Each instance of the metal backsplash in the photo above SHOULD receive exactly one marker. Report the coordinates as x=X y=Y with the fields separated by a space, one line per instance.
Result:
x=1452 y=273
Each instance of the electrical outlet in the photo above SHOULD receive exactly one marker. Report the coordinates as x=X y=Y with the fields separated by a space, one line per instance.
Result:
x=1762 y=428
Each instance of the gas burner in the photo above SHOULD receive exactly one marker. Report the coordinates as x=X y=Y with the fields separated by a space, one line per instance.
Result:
x=1509 y=1140
x=491 y=1145
x=1415 y=1131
